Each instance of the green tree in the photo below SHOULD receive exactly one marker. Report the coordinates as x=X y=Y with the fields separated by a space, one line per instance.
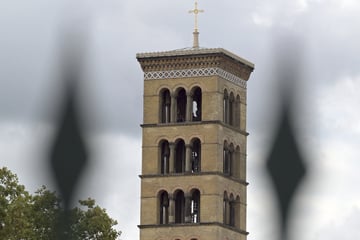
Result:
x=35 y=217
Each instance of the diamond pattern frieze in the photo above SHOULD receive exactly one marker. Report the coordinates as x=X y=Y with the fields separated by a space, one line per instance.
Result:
x=200 y=72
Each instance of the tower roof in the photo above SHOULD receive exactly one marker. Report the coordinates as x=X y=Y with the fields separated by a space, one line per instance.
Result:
x=195 y=51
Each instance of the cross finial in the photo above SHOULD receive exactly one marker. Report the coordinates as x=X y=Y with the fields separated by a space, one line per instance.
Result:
x=196 y=11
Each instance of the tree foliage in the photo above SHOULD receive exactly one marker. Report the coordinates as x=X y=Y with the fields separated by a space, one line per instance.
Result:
x=35 y=217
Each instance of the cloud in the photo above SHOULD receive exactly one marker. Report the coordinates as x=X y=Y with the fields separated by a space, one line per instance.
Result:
x=262 y=20
x=112 y=92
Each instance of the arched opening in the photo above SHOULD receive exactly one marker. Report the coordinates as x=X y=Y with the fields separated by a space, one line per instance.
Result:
x=195 y=206
x=231 y=109
x=164 y=157
x=196 y=104
x=237 y=111
x=226 y=107
x=181 y=105
x=231 y=220
x=180 y=152
x=196 y=156
x=232 y=163
x=225 y=208
x=226 y=159
x=164 y=208
x=236 y=163
x=237 y=212
x=165 y=106
x=179 y=206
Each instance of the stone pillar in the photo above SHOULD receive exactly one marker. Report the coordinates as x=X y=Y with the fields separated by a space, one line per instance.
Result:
x=188 y=158
x=171 y=157
x=173 y=111
x=188 y=208
x=171 y=209
x=188 y=107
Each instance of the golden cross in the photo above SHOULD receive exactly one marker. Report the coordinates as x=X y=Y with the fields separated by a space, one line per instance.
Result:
x=196 y=11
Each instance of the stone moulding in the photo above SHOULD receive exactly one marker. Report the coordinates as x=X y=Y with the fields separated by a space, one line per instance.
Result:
x=200 y=72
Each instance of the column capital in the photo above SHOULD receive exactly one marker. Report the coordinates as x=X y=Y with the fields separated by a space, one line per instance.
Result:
x=187 y=195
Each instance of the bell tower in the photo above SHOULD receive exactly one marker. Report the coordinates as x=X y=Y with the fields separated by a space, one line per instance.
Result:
x=193 y=180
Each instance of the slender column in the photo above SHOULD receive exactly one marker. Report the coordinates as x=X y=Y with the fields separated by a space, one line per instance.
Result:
x=171 y=209
x=188 y=208
x=188 y=107
x=188 y=158
x=173 y=108
x=171 y=157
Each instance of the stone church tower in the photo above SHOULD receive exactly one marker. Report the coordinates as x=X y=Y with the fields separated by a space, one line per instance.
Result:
x=193 y=180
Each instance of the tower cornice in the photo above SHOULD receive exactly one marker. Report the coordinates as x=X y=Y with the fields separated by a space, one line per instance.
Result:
x=196 y=58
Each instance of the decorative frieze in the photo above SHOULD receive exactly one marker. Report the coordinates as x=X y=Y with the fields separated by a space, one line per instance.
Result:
x=200 y=72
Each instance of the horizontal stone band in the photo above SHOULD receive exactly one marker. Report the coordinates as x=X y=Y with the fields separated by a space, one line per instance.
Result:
x=200 y=72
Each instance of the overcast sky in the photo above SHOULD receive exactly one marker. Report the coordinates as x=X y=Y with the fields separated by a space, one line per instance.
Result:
x=322 y=36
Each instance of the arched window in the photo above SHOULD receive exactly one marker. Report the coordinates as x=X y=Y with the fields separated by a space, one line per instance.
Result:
x=164 y=208
x=237 y=212
x=165 y=106
x=237 y=111
x=179 y=206
x=164 y=157
x=236 y=163
x=226 y=107
x=231 y=220
x=180 y=151
x=226 y=159
x=195 y=206
x=196 y=156
x=196 y=104
x=181 y=106
x=231 y=109
x=225 y=209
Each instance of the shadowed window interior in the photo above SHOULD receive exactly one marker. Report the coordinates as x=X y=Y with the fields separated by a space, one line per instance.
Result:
x=196 y=156
x=181 y=106
x=164 y=208
x=165 y=106
x=180 y=156
x=195 y=206
x=196 y=104
x=164 y=157
x=179 y=206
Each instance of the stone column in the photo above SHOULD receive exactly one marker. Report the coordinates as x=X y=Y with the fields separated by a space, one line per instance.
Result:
x=188 y=158
x=188 y=107
x=171 y=208
x=171 y=157
x=187 y=208
x=173 y=108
